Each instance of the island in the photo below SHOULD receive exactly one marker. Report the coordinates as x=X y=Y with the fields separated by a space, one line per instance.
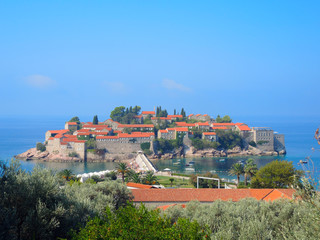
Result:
x=156 y=133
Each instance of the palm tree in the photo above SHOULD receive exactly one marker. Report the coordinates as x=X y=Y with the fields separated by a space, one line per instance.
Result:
x=150 y=178
x=250 y=169
x=171 y=181
x=122 y=168
x=132 y=176
x=66 y=174
x=237 y=169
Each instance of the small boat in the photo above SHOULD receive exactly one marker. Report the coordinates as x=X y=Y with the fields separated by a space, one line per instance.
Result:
x=176 y=163
x=191 y=162
x=187 y=165
x=190 y=169
x=221 y=160
x=303 y=161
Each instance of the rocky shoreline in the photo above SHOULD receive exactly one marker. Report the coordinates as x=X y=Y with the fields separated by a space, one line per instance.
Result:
x=33 y=154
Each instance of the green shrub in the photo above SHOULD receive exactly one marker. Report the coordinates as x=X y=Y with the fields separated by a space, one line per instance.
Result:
x=145 y=146
x=262 y=142
x=34 y=206
x=147 y=152
x=40 y=147
x=73 y=154
x=139 y=223
x=253 y=144
x=251 y=219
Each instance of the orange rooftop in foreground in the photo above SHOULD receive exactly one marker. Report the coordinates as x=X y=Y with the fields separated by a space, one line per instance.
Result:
x=160 y=197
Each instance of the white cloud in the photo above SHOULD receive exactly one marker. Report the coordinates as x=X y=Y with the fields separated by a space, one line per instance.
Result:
x=40 y=81
x=117 y=87
x=172 y=85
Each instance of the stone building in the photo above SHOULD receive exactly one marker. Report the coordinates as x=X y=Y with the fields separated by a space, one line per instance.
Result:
x=209 y=136
x=200 y=117
x=264 y=138
x=71 y=126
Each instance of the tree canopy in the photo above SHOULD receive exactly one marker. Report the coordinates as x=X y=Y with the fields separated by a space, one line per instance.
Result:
x=276 y=174
x=225 y=119
x=228 y=139
x=75 y=119
x=125 y=115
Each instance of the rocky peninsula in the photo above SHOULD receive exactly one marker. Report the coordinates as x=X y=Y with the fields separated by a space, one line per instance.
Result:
x=156 y=133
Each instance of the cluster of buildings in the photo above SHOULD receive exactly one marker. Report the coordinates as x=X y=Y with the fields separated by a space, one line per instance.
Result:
x=113 y=137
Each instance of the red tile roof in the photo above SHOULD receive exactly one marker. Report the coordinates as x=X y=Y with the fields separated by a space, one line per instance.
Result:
x=171 y=129
x=223 y=124
x=243 y=128
x=184 y=124
x=148 y=112
x=222 y=128
x=209 y=133
x=182 y=129
x=72 y=123
x=138 y=185
x=59 y=131
x=202 y=124
x=190 y=115
x=136 y=126
x=170 y=205
x=208 y=195
x=107 y=137
x=189 y=194
x=279 y=193
x=163 y=131
x=198 y=115
x=175 y=116
x=135 y=135
x=161 y=118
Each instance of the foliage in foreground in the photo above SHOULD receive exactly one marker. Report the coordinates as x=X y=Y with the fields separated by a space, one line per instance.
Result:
x=252 y=219
x=34 y=206
x=276 y=174
x=139 y=223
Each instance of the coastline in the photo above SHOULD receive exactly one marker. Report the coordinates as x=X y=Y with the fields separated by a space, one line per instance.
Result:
x=34 y=155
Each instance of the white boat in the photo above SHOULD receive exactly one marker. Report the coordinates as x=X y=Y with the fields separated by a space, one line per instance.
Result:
x=190 y=169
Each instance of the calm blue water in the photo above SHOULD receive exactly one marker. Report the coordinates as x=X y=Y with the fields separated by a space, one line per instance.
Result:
x=19 y=134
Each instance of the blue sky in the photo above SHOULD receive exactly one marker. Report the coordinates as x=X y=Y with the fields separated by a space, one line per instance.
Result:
x=84 y=58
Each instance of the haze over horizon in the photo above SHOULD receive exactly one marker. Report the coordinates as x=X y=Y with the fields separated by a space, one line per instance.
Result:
x=84 y=58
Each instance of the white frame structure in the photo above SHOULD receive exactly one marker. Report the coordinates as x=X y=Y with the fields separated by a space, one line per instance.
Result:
x=216 y=179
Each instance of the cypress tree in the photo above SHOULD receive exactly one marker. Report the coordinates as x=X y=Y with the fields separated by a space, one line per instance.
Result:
x=174 y=112
x=95 y=120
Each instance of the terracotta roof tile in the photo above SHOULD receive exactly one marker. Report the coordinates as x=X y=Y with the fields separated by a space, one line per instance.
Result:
x=148 y=112
x=138 y=185
x=175 y=116
x=209 y=133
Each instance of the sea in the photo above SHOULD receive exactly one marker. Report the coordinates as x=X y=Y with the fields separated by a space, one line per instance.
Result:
x=18 y=134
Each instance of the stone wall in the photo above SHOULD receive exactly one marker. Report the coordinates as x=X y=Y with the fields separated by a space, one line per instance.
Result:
x=118 y=147
x=279 y=144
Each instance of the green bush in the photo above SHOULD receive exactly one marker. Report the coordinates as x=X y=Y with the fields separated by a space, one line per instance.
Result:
x=251 y=219
x=139 y=223
x=40 y=147
x=200 y=144
x=147 y=152
x=253 y=144
x=145 y=146
x=262 y=142
x=34 y=206
x=228 y=139
x=73 y=154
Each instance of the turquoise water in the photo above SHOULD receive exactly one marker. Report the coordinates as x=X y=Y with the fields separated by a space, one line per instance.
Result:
x=19 y=134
